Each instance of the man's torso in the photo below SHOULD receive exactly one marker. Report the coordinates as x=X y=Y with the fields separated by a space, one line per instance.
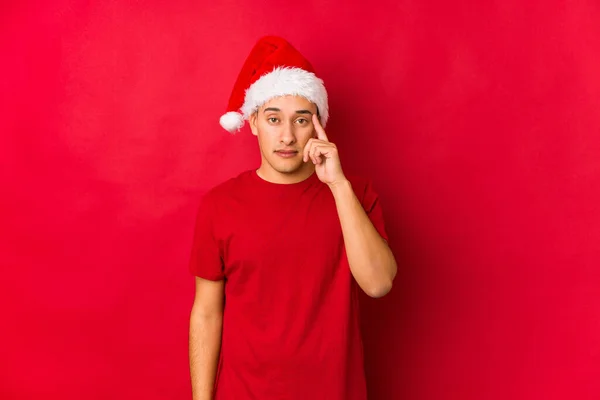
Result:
x=290 y=325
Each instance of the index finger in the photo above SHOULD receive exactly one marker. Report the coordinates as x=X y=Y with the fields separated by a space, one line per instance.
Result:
x=319 y=129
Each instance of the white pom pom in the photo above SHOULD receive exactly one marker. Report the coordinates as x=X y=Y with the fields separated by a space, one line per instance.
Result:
x=232 y=121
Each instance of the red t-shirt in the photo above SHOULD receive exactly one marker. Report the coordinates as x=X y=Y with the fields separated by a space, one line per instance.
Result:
x=291 y=324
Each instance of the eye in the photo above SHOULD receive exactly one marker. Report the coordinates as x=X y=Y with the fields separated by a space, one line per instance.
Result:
x=272 y=120
x=302 y=121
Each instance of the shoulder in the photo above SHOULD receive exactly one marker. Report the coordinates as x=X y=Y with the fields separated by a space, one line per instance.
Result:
x=229 y=186
x=364 y=191
x=225 y=189
x=360 y=184
x=358 y=180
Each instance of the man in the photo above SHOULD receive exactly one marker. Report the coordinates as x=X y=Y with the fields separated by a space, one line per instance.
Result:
x=280 y=252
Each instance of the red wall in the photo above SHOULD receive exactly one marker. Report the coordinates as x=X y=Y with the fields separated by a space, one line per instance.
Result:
x=478 y=123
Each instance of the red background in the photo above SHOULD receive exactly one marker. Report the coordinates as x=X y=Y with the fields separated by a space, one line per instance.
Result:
x=478 y=122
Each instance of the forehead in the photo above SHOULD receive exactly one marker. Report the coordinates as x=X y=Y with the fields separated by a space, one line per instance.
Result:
x=289 y=103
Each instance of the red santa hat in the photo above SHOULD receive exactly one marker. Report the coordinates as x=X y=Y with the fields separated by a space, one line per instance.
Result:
x=274 y=68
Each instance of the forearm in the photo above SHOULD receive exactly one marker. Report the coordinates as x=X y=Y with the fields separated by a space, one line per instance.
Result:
x=204 y=349
x=371 y=261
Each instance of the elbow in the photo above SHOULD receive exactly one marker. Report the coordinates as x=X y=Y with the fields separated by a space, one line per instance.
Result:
x=379 y=290
x=383 y=285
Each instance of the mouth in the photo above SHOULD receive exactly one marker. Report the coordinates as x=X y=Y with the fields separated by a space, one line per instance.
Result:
x=286 y=153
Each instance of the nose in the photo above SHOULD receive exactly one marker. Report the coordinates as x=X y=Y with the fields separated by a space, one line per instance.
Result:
x=288 y=136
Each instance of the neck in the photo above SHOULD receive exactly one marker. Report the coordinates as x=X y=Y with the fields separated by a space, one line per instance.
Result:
x=267 y=173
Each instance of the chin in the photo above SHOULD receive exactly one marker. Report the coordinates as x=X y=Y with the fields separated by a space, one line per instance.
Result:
x=288 y=168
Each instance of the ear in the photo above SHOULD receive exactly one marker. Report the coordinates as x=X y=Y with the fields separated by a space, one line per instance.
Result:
x=252 y=124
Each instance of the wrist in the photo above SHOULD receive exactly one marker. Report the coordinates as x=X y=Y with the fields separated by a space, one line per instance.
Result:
x=340 y=186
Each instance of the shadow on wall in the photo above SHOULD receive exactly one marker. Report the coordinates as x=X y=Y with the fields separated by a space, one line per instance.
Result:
x=389 y=324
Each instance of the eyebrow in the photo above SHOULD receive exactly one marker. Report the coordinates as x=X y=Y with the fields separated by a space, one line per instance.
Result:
x=271 y=109
x=278 y=110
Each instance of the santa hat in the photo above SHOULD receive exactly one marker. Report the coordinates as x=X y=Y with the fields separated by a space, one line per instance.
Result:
x=274 y=68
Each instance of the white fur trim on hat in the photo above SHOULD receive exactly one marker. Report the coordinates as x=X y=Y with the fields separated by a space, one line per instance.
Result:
x=281 y=81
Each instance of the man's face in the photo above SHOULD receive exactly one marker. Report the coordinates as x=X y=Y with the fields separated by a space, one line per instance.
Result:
x=283 y=127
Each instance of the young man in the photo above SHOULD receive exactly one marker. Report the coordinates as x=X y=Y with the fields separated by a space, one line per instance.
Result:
x=280 y=252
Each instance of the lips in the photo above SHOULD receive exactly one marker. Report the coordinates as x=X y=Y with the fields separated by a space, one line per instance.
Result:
x=286 y=153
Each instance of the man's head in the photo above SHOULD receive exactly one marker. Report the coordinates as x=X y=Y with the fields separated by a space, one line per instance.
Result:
x=273 y=69
x=283 y=126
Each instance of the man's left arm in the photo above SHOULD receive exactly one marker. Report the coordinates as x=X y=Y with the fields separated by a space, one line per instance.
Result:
x=371 y=260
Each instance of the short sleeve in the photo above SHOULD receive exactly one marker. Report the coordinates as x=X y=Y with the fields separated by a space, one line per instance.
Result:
x=372 y=205
x=206 y=261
